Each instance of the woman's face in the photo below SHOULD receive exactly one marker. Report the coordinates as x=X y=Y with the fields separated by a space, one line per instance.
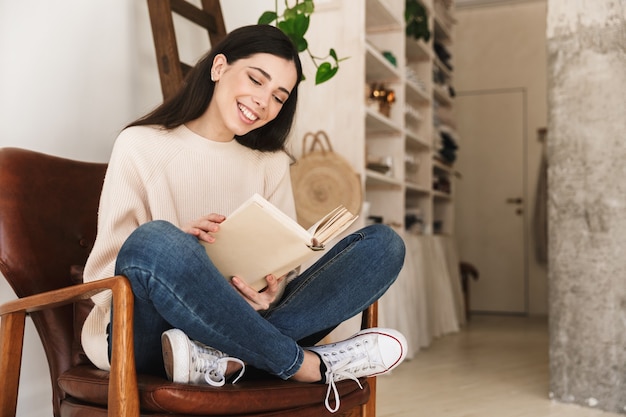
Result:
x=249 y=93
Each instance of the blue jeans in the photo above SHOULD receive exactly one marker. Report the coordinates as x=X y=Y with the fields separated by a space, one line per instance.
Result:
x=177 y=286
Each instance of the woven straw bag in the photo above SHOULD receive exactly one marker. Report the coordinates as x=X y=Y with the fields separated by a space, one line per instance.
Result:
x=323 y=180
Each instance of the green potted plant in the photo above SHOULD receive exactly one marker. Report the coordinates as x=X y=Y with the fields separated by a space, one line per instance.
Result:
x=416 y=18
x=294 y=22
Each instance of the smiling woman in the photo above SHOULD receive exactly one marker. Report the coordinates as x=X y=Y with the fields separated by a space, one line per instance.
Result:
x=173 y=177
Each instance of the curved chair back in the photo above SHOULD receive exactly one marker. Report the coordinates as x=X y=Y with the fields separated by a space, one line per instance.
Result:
x=48 y=215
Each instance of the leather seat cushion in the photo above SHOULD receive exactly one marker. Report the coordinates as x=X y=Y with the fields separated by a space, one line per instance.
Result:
x=89 y=384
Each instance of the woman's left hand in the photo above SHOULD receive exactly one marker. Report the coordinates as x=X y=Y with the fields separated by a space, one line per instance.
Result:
x=259 y=300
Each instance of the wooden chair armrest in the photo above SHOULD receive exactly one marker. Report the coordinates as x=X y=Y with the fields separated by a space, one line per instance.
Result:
x=123 y=393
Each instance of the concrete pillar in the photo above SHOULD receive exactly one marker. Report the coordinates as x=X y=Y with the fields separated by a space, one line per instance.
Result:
x=587 y=201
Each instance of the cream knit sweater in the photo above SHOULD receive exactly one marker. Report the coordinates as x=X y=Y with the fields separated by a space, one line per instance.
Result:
x=178 y=176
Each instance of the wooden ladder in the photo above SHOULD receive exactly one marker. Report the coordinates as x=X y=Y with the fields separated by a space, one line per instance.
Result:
x=172 y=70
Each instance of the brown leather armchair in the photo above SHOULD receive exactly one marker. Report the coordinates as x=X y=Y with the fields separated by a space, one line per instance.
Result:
x=48 y=209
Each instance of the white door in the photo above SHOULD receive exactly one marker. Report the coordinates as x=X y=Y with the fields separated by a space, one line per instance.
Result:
x=490 y=200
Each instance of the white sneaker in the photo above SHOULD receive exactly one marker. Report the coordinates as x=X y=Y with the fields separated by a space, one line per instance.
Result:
x=190 y=362
x=370 y=352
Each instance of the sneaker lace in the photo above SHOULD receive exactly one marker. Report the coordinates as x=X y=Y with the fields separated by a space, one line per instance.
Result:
x=213 y=364
x=215 y=370
x=346 y=363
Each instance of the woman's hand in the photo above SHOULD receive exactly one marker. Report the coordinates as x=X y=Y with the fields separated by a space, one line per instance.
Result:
x=202 y=227
x=263 y=299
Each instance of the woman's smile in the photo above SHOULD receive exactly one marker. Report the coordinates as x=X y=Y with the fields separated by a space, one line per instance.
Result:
x=248 y=115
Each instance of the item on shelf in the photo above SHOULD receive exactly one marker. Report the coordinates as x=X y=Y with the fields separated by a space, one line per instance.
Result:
x=411 y=164
x=412 y=111
x=438 y=226
x=416 y=18
x=383 y=165
x=414 y=223
x=439 y=77
x=374 y=219
x=371 y=101
x=412 y=76
x=448 y=147
x=389 y=56
x=384 y=97
x=442 y=183
x=442 y=53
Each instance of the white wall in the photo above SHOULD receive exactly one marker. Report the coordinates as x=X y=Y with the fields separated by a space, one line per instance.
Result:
x=64 y=75
x=72 y=74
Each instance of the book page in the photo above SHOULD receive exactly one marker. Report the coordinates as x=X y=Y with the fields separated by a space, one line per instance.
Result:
x=331 y=225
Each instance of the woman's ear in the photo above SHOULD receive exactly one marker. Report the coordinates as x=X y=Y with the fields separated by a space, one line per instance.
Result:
x=219 y=64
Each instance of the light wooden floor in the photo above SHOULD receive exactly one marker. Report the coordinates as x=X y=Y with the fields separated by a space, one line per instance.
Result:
x=495 y=367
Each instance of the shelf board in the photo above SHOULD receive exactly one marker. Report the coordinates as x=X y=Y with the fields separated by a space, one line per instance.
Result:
x=441 y=95
x=412 y=119
x=377 y=68
x=378 y=180
x=414 y=140
x=377 y=124
x=415 y=93
x=415 y=189
x=417 y=50
x=441 y=32
x=438 y=165
x=438 y=195
x=439 y=63
x=379 y=18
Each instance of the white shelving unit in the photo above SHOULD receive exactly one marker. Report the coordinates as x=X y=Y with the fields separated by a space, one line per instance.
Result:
x=404 y=173
x=395 y=149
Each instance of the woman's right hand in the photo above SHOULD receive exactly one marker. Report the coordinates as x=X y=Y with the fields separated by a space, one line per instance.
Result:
x=202 y=227
x=260 y=300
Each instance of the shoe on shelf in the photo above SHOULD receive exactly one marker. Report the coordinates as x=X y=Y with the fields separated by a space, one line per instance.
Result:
x=190 y=362
x=370 y=352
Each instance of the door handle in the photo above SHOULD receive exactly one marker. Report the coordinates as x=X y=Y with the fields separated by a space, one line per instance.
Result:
x=514 y=200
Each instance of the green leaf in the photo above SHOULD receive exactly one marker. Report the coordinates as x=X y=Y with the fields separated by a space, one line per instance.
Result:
x=306 y=7
x=290 y=13
x=324 y=73
x=333 y=54
x=289 y=29
x=267 y=18
x=301 y=44
x=300 y=25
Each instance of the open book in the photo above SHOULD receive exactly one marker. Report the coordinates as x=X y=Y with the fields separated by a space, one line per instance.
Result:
x=258 y=239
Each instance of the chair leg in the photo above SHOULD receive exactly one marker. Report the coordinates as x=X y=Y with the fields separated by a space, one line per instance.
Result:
x=369 y=319
x=369 y=408
x=11 y=342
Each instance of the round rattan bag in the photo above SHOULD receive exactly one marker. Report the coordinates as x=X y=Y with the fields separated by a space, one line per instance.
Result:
x=323 y=180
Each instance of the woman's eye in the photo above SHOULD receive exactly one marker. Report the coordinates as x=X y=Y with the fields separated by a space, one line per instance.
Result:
x=254 y=80
x=279 y=100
